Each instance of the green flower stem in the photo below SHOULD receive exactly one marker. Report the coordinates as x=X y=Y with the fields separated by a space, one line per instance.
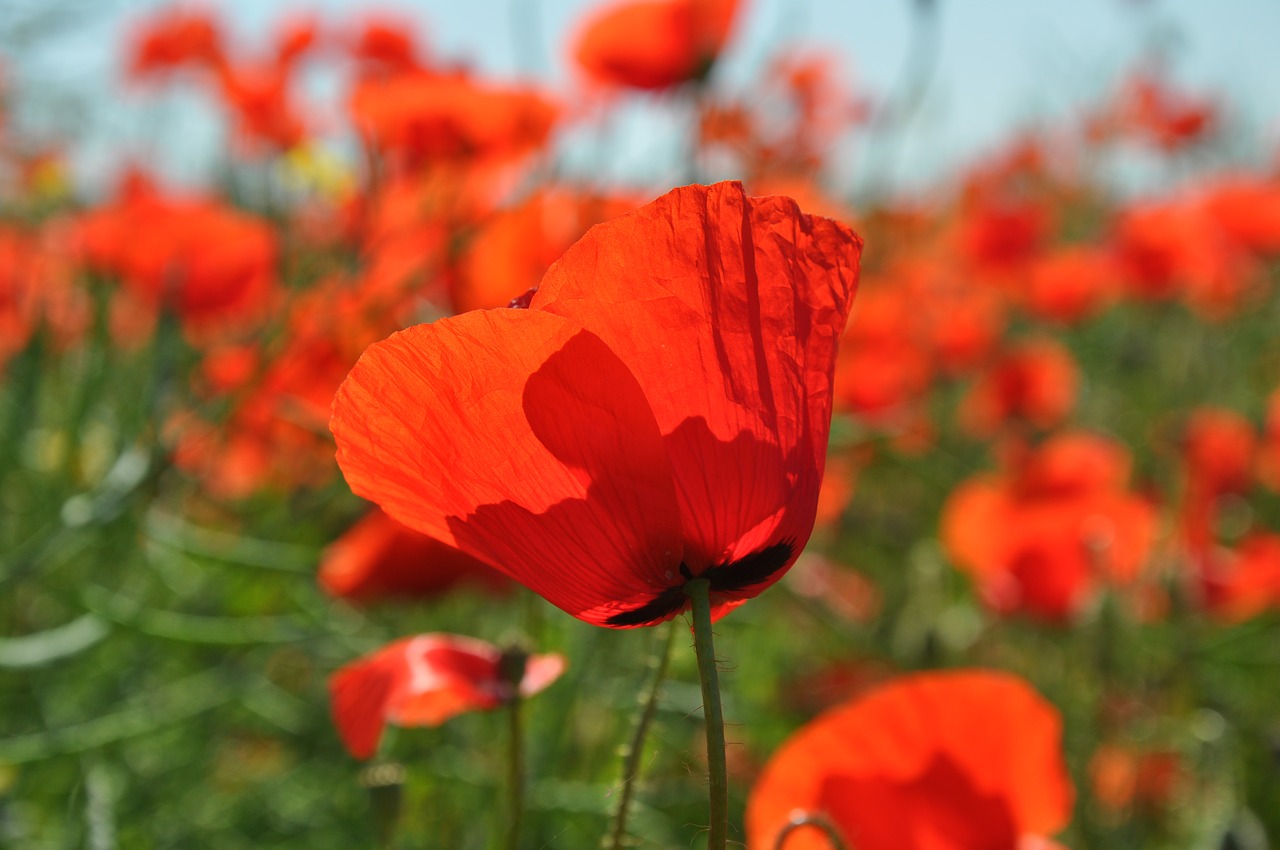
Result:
x=515 y=772
x=635 y=749
x=698 y=591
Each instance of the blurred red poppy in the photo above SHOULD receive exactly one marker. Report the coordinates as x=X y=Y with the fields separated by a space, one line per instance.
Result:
x=1218 y=453
x=882 y=367
x=174 y=38
x=1041 y=539
x=210 y=264
x=427 y=679
x=425 y=116
x=379 y=558
x=964 y=760
x=660 y=412
x=1240 y=584
x=385 y=46
x=916 y=319
x=1218 y=450
x=1172 y=248
x=1033 y=382
x=259 y=98
x=38 y=288
x=1247 y=209
x=654 y=44
x=1071 y=284
x=1150 y=109
x=509 y=251
x=995 y=234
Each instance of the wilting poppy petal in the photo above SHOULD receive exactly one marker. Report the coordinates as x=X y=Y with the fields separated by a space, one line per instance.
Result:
x=967 y=760
x=730 y=324
x=424 y=681
x=522 y=439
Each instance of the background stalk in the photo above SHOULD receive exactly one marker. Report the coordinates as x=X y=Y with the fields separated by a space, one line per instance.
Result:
x=635 y=748
x=515 y=772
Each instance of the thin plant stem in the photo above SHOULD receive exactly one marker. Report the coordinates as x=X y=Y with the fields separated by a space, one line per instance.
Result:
x=635 y=748
x=699 y=592
x=515 y=772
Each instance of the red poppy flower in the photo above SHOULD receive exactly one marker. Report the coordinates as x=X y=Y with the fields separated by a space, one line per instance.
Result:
x=995 y=234
x=1174 y=248
x=660 y=412
x=1071 y=284
x=1033 y=382
x=654 y=44
x=424 y=116
x=1148 y=108
x=427 y=679
x=209 y=263
x=258 y=97
x=1247 y=209
x=510 y=250
x=378 y=557
x=295 y=37
x=173 y=38
x=882 y=367
x=385 y=46
x=1219 y=450
x=1041 y=540
x=1241 y=584
x=965 y=760
x=39 y=287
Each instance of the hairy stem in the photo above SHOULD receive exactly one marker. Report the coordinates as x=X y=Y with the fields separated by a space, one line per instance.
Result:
x=698 y=591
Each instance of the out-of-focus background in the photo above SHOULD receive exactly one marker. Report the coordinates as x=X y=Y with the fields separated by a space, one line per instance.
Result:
x=983 y=71
x=1055 y=452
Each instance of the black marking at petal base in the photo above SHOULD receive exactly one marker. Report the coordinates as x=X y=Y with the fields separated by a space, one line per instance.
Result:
x=751 y=569
x=660 y=607
x=754 y=568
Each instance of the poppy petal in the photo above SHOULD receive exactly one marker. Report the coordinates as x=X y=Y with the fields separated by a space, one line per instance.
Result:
x=521 y=439
x=423 y=681
x=748 y=298
x=378 y=559
x=359 y=694
x=955 y=760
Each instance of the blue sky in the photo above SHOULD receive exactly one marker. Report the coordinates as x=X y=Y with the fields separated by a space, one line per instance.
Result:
x=1001 y=65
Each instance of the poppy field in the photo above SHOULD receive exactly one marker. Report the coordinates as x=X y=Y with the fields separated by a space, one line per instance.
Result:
x=414 y=482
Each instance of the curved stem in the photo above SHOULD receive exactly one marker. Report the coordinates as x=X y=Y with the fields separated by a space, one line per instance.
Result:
x=698 y=591
x=635 y=748
x=814 y=822
x=515 y=773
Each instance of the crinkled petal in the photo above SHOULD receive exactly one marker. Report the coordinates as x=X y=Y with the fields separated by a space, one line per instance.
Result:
x=523 y=440
x=728 y=310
